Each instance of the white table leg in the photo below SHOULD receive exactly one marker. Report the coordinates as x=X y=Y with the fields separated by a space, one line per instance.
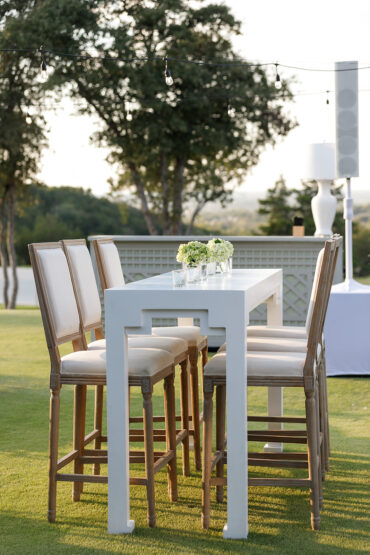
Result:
x=275 y=394
x=118 y=425
x=188 y=322
x=237 y=439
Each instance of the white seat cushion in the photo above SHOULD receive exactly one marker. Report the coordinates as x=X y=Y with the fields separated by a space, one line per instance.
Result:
x=142 y=362
x=288 y=332
x=173 y=345
x=277 y=344
x=262 y=365
x=191 y=334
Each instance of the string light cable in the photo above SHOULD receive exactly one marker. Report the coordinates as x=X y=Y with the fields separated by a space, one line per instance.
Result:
x=225 y=63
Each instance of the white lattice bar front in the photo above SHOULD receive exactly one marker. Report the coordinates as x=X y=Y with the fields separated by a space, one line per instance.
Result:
x=146 y=256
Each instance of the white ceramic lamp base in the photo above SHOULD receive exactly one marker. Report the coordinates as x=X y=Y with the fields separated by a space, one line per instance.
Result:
x=324 y=206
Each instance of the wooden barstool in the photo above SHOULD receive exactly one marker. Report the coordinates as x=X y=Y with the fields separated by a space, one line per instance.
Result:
x=110 y=274
x=88 y=304
x=88 y=367
x=272 y=369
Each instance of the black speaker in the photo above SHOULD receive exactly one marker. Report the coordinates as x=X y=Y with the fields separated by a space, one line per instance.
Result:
x=346 y=101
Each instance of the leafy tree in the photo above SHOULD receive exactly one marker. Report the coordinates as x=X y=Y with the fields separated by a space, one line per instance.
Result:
x=361 y=250
x=21 y=128
x=278 y=209
x=281 y=205
x=54 y=213
x=173 y=144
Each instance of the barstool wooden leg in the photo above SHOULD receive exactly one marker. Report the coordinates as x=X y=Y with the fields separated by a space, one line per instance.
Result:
x=53 y=451
x=149 y=454
x=319 y=445
x=313 y=459
x=220 y=436
x=322 y=446
x=79 y=418
x=185 y=417
x=193 y=358
x=207 y=454
x=98 y=421
x=326 y=411
x=170 y=412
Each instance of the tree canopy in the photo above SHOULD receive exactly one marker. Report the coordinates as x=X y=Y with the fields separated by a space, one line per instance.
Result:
x=190 y=140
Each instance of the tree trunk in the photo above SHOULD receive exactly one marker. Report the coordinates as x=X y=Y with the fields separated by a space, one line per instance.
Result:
x=177 y=197
x=144 y=203
x=3 y=258
x=165 y=195
x=199 y=207
x=11 y=248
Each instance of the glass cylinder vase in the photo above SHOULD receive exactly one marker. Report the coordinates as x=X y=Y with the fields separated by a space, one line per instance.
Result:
x=222 y=267
x=193 y=273
x=230 y=265
x=203 y=271
x=211 y=268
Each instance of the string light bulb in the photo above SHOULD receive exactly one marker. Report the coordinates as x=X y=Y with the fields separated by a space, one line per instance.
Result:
x=28 y=114
x=167 y=73
x=231 y=112
x=278 y=83
x=44 y=69
x=128 y=111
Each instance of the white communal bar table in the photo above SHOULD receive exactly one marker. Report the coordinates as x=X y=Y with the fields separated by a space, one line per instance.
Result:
x=223 y=303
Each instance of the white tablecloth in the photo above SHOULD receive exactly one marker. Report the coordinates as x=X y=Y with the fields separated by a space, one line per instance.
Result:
x=347 y=330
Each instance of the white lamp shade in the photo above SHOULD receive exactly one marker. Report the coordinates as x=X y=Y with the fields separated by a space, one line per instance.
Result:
x=319 y=163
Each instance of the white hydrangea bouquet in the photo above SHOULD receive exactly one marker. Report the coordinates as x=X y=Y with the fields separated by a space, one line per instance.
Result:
x=192 y=253
x=219 y=250
x=201 y=260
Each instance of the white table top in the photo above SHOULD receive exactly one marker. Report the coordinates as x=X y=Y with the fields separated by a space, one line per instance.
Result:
x=238 y=280
x=252 y=285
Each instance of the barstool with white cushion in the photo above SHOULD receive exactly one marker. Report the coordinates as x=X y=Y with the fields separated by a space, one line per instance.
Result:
x=88 y=303
x=111 y=275
x=61 y=319
x=272 y=369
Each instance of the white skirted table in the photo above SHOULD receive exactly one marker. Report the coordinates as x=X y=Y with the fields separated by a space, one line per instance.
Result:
x=347 y=330
x=223 y=303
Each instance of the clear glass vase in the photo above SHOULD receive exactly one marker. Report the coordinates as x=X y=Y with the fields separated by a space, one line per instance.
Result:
x=222 y=267
x=230 y=264
x=203 y=271
x=211 y=268
x=193 y=273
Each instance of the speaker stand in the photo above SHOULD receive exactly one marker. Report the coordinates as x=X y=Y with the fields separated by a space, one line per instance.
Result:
x=349 y=284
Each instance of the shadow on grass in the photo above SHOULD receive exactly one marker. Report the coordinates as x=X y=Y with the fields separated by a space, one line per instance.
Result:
x=279 y=520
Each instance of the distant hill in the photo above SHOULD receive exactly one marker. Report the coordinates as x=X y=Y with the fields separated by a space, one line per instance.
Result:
x=240 y=217
x=54 y=213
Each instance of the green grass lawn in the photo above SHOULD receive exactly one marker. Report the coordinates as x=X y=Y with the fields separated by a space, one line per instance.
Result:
x=279 y=519
x=364 y=279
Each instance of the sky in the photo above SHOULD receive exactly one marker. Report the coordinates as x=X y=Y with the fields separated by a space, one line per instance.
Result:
x=312 y=34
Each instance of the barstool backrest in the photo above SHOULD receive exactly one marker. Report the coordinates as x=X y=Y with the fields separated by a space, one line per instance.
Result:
x=84 y=282
x=56 y=298
x=313 y=290
x=108 y=263
x=319 y=302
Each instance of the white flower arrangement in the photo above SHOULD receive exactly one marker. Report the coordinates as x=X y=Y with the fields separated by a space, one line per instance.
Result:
x=219 y=250
x=192 y=253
